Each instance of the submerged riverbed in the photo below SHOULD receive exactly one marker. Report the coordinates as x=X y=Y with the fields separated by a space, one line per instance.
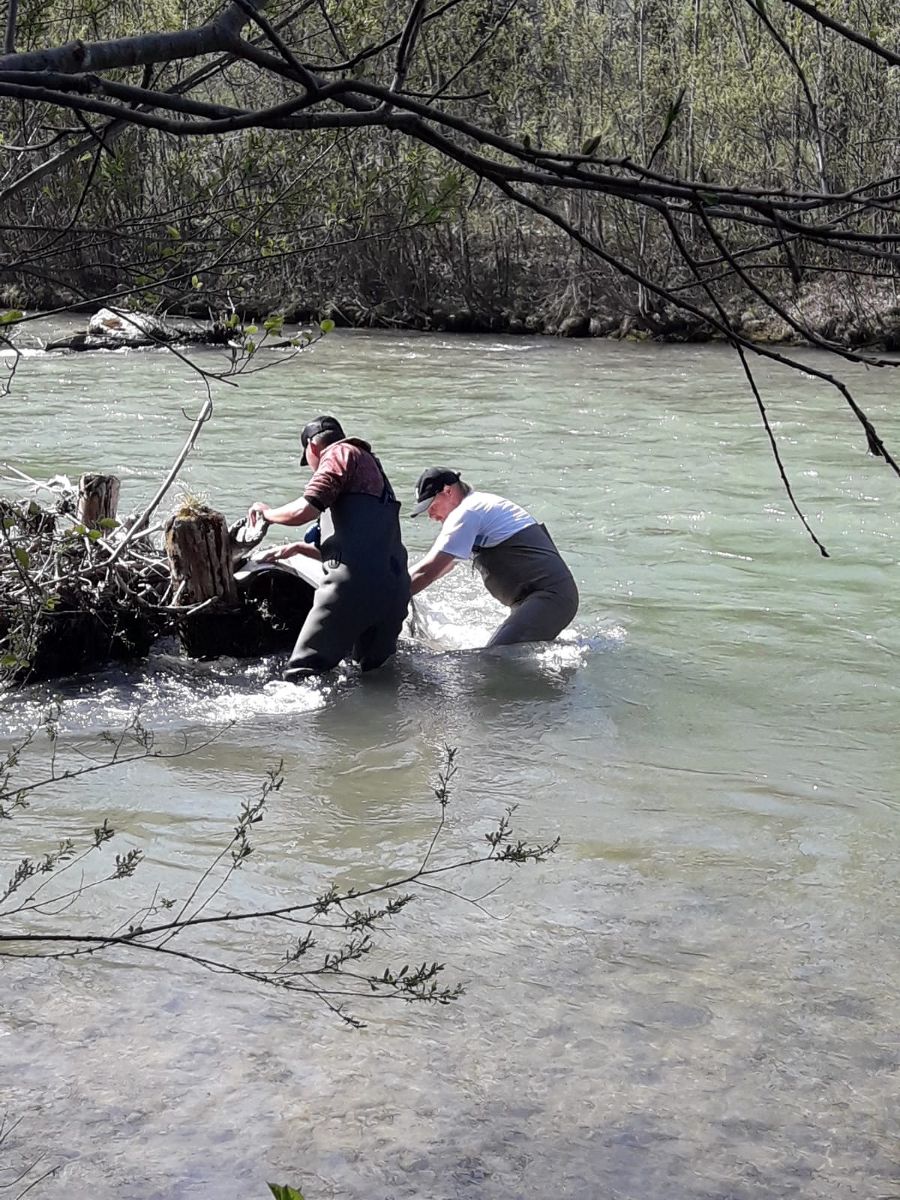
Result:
x=696 y=996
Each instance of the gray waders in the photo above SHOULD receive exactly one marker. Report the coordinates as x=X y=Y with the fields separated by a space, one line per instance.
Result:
x=527 y=573
x=359 y=608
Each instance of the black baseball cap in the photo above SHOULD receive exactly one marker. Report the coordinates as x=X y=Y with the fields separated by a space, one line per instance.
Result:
x=432 y=481
x=316 y=426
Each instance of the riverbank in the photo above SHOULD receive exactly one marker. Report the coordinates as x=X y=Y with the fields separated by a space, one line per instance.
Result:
x=825 y=313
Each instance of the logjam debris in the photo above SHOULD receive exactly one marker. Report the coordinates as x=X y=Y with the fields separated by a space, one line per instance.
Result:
x=77 y=592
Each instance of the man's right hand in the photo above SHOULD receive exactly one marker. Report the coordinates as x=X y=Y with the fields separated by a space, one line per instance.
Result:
x=257 y=512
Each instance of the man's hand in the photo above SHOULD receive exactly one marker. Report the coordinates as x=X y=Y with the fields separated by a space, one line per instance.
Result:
x=257 y=512
x=298 y=512
x=288 y=550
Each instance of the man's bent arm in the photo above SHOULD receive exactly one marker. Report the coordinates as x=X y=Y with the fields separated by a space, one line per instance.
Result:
x=435 y=564
x=298 y=512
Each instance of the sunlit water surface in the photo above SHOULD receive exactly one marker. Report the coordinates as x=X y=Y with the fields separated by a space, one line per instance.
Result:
x=695 y=997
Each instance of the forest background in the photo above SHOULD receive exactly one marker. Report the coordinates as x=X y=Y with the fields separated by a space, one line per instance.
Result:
x=369 y=227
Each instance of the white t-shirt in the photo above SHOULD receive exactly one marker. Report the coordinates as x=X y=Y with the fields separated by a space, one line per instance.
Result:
x=481 y=520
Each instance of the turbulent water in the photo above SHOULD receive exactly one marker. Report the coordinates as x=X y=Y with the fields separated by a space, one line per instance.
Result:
x=695 y=996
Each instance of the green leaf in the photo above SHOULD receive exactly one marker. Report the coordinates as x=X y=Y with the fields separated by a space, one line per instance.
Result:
x=11 y=314
x=251 y=329
x=232 y=321
x=591 y=144
x=95 y=535
x=674 y=110
x=10 y=660
x=196 y=282
x=283 y=1191
x=22 y=558
x=108 y=523
x=327 y=325
x=671 y=117
x=173 y=231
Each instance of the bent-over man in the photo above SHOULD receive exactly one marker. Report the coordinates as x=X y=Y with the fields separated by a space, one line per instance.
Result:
x=514 y=555
x=359 y=608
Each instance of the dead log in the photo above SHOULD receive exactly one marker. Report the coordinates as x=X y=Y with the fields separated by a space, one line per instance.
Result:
x=98 y=499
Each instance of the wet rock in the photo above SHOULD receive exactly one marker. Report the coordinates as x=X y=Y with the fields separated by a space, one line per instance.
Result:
x=127 y=328
x=575 y=326
x=460 y=321
x=602 y=325
x=333 y=311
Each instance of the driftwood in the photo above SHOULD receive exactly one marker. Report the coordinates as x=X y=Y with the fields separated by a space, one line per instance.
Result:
x=76 y=594
x=61 y=610
x=80 y=589
x=114 y=330
x=214 y=336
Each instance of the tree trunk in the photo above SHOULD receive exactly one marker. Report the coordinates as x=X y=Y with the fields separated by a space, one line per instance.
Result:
x=98 y=499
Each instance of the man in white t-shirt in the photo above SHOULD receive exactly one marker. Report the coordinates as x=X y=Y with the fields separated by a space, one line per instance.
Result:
x=514 y=555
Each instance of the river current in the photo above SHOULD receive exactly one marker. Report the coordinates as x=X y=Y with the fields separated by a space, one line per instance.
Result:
x=695 y=996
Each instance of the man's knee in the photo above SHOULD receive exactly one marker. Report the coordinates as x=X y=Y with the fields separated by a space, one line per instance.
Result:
x=539 y=618
x=370 y=662
x=378 y=643
x=306 y=662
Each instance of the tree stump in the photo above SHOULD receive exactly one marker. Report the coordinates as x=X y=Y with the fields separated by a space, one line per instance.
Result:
x=98 y=499
x=200 y=556
x=200 y=562
x=261 y=614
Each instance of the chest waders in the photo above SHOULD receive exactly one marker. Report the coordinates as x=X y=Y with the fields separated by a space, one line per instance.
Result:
x=359 y=608
x=527 y=573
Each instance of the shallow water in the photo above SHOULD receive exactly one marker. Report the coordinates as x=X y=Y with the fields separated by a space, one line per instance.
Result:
x=696 y=996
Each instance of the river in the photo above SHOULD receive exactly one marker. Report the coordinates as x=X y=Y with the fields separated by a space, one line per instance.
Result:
x=696 y=996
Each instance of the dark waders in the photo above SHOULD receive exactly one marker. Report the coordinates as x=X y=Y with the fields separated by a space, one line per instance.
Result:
x=359 y=608
x=527 y=573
